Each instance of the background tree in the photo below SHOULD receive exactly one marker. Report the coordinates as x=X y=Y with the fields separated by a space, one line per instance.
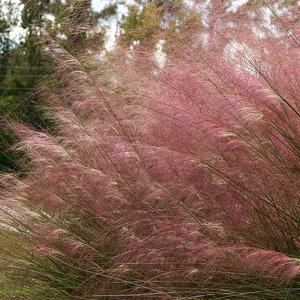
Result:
x=11 y=83
x=72 y=23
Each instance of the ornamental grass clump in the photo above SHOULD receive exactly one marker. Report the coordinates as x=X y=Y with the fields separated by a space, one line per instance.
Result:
x=178 y=181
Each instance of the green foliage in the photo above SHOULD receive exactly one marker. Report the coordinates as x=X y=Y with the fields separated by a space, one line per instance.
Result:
x=166 y=20
x=143 y=26
x=12 y=82
x=23 y=65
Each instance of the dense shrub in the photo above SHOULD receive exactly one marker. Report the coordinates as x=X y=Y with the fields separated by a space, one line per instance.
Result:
x=175 y=182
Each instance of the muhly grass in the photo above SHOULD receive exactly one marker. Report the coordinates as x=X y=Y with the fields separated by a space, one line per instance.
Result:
x=173 y=182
